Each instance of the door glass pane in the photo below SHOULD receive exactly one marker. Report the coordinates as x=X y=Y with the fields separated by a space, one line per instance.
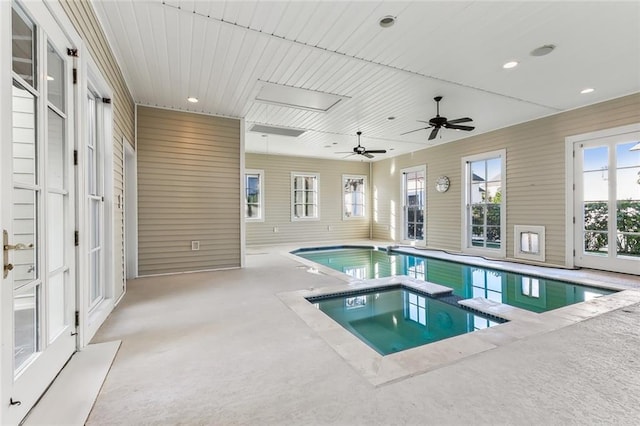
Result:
x=26 y=330
x=25 y=230
x=22 y=46
x=628 y=199
x=24 y=135
x=55 y=231
x=94 y=224
x=94 y=268
x=55 y=80
x=55 y=163
x=485 y=197
x=56 y=304
x=596 y=199
x=414 y=196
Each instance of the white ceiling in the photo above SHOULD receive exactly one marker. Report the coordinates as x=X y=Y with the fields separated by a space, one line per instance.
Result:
x=222 y=51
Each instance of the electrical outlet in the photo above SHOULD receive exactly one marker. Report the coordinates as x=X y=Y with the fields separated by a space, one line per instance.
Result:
x=275 y=229
x=195 y=245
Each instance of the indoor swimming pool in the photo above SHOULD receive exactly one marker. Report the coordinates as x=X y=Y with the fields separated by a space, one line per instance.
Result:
x=532 y=293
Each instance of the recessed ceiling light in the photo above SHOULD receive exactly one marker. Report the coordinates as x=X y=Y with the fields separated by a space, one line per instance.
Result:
x=387 y=21
x=509 y=65
x=335 y=143
x=192 y=99
x=587 y=90
x=327 y=146
x=543 y=50
x=391 y=118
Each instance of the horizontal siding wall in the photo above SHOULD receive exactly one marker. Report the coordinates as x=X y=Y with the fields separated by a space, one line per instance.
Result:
x=188 y=190
x=535 y=182
x=277 y=192
x=84 y=19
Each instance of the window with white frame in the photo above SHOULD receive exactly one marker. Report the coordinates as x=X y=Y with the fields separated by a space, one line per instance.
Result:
x=304 y=196
x=254 y=195
x=414 y=195
x=485 y=202
x=354 y=195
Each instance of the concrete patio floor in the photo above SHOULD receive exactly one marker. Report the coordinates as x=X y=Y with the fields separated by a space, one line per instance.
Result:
x=223 y=348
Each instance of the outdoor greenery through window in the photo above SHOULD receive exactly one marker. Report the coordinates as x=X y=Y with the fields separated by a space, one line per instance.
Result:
x=304 y=196
x=253 y=195
x=354 y=188
x=612 y=193
x=484 y=195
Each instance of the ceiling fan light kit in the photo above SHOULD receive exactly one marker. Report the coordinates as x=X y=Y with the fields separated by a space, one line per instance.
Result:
x=361 y=150
x=438 y=122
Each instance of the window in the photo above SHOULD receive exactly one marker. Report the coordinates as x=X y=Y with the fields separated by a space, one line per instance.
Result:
x=414 y=202
x=485 y=200
x=354 y=190
x=304 y=196
x=95 y=196
x=529 y=242
x=254 y=195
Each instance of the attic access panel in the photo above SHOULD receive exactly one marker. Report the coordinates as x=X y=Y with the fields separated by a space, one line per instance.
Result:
x=294 y=97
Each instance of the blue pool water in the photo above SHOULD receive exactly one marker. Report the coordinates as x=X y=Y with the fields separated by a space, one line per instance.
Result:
x=467 y=281
x=398 y=318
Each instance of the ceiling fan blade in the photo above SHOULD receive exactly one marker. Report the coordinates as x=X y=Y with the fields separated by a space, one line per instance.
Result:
x=460 y=120
x=434 y=132
x=458 y=127
x=366 y=154
x=416 y=130
x=376 y=151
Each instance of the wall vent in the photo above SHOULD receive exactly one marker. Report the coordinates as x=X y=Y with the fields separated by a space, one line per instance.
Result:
x=271 y=130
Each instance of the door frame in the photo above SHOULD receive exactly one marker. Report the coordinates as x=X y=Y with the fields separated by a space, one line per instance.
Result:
x=403 y=224
x=130 y=177
x=92 y=319
x=570 y=207
x=50 y=20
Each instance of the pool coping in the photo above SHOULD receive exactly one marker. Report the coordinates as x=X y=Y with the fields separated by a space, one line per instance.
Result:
x=380 y=370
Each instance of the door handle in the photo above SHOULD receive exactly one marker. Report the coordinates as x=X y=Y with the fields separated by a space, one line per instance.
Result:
x=19 y=246
x=6 y=247
x=5 y=254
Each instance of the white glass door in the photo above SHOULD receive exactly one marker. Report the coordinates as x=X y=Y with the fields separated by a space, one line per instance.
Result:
x=607 y=203
x=38 y=285
x=414 y=203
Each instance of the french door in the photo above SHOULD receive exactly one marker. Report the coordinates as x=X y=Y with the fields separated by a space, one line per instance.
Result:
x=607 y=203
x=414 y=194
x=38 y=292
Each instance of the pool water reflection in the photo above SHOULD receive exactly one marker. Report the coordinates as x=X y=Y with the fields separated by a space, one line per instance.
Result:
x=467 y=281
x=396 y=319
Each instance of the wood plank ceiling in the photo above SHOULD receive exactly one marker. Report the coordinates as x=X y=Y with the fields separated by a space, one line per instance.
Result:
x=223 y=51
